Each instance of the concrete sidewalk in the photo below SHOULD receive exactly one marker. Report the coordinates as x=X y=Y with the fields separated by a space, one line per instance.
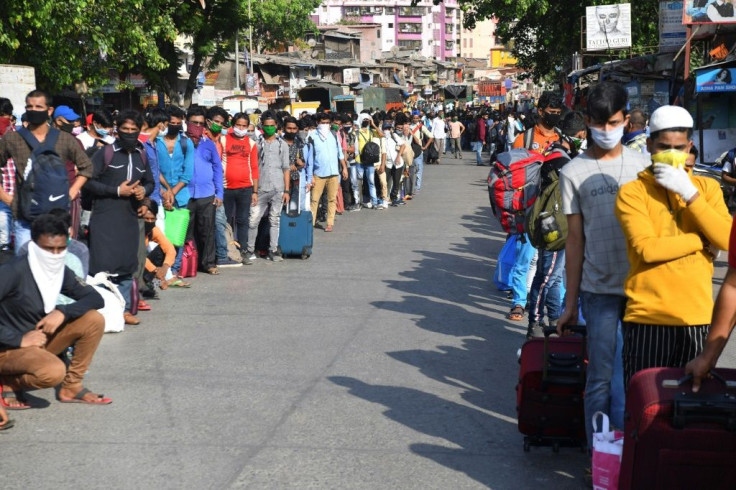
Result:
x=384 y=361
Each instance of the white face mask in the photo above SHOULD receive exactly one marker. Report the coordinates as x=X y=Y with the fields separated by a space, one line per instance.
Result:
x=323 y=129
x=48 y=271
x=240 y=133
x=607 y=140
x=109 y=139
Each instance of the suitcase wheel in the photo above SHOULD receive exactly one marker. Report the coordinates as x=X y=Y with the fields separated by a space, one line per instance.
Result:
x=306 y=252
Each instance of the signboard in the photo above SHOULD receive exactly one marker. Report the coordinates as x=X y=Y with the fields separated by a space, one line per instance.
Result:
x=608 y=27
x=351 y=75
x=252 y=87
x=671 y=31
x=716 y=80
x=708 y=12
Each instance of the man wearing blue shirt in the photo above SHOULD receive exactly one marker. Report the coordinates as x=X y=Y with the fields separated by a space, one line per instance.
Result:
x=324 y=158
x=205 y=190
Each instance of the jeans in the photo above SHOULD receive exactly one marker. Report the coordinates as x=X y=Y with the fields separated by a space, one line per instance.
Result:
x=477 y=147
x=419 y=165
x=456 y=147
x=220 y=238
x=125 y=286
x=22 y=231
x=524 y=254
x=271 y=201
x=603 y=313
x=237 y=212
x=6 y=224
x=546 y=290
x=356 y=182
x=409 y=181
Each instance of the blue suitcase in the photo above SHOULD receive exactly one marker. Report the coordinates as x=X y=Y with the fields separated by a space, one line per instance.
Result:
x=296 y=234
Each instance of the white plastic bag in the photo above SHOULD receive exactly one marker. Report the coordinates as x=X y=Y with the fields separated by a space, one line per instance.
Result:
x=114 y=302
x=608 y=446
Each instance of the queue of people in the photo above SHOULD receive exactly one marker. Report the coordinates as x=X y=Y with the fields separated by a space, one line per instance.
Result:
x=643 y=233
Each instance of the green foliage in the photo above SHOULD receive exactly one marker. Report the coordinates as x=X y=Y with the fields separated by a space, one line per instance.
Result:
x=544 y=34
x=68 y=41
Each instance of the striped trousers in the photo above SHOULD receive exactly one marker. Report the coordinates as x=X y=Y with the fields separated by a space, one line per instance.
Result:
x=648 y=346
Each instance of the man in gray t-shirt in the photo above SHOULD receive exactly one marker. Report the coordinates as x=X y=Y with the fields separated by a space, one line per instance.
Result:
x=596 y=261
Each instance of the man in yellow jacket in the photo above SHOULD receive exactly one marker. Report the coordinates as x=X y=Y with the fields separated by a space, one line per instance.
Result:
x=674 y=223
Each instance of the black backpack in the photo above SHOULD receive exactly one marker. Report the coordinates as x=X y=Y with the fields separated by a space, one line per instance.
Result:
x=473 y=130
x=371 y=152
x=45 y=185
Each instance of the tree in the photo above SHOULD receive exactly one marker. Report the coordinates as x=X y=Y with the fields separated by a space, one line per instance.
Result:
x=544 y=34
x=277 y=22
x=70 y=41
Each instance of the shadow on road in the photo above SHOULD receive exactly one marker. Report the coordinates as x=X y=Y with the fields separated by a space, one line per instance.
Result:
x=452 y=294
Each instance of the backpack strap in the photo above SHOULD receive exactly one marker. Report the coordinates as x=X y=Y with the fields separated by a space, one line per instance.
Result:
x=183 y=143
x=36 y=146
x=528 y=138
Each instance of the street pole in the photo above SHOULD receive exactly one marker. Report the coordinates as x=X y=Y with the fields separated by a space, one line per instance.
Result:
x=237 y=63
x=250 y=38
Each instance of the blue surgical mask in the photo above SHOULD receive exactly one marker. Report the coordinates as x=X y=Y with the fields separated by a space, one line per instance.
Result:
x=101 y=131
x=607 y=140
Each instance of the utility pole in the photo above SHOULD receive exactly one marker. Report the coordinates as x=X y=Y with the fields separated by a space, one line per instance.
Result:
x=237 y=63
x=250 y=37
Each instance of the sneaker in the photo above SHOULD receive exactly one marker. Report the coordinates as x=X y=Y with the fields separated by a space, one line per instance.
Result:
x=394 y=203
x=354 y=207
x=368 y=205
x=399 y=202
x=249 y=258
x=275 y=257
x=228 y=262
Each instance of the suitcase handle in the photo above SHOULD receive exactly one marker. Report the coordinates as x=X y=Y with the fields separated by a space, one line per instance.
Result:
x=712 y=373
x=578 y=329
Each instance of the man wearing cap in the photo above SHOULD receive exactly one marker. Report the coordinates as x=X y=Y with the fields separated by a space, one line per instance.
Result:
x=675 y=224
x=65 y=119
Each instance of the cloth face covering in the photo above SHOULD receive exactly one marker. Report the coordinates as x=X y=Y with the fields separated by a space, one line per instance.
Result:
x=607 y=139
x=48 y=271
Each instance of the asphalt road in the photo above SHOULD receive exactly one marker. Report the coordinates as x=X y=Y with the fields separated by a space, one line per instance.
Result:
x=384 y=361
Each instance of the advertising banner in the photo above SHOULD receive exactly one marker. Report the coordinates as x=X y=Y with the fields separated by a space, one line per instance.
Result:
x=608 y=27
x=671 y=31
x=708 y=12
x=716 y=80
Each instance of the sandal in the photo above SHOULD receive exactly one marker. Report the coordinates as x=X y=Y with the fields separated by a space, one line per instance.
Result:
x=7 y=425
x=19 y=403
x=79 y=398
x=178 y=282
x=516 y=314
x=143 y=306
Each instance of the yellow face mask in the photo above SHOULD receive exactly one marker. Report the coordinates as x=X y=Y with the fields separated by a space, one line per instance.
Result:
x=673 y=157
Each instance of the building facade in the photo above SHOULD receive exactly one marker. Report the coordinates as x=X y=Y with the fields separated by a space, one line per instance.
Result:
x=431 y=30
x=478 y=42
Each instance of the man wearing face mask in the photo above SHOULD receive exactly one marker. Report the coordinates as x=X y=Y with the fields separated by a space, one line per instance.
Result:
x=35 y=329
x=674 y=224
x=545 y=131
x=325 y=159
x=12 y=145
x=65 y=119
x=99 y=132
x=595 y=249
x=206 y=191
x=121 y=181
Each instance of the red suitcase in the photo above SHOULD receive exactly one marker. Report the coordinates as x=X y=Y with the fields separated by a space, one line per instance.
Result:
x=549 y=396
x=677 y=439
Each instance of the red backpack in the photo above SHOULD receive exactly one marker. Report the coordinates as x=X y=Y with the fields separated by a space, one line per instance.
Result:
x=513 y=186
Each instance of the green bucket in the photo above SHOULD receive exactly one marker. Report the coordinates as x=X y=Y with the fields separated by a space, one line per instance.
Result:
x=176 y=223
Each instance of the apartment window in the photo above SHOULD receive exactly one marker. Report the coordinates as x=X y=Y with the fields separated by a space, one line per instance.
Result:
x=408 y=28
x=410 y=44
x=471 y=42
x=362 y=11
x=411 y=11
x=449 y=45
x=378 y=33
x=390 y=25
x=389 y=10
x=465 y=43
x=448 y=28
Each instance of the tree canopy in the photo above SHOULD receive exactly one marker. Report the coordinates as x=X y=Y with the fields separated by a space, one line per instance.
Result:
x=544 y=34
x=70 y=41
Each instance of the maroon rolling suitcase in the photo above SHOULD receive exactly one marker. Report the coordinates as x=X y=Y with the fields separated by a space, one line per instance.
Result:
x=549 y=396
x=677 y=439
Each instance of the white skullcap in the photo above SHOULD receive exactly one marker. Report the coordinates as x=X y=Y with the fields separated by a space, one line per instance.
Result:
x=668 y=117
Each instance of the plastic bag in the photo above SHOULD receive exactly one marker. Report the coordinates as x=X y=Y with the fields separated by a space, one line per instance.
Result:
x=505 y=262
x=114 y=302
x=607 y=449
